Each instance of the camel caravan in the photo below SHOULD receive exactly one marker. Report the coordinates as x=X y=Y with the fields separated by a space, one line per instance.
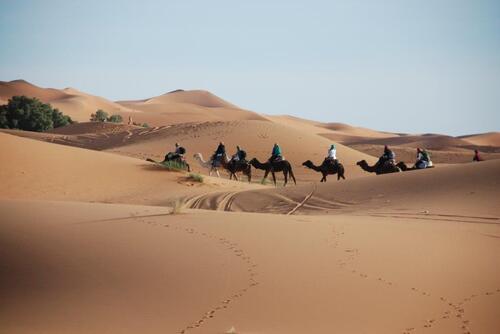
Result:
x=238 y=163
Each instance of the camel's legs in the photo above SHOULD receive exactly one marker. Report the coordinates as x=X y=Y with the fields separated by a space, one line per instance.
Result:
x=217 y=172
x=285 y=174
x=274 y=178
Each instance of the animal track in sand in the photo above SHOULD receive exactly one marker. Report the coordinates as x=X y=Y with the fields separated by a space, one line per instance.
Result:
x=455 y=310
x=235 y=249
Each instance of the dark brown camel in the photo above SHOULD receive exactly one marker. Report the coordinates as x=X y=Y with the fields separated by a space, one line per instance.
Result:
x=326 y=168
x=384 y=169
x=234 y=167
x=405 y=168
x=277 y=166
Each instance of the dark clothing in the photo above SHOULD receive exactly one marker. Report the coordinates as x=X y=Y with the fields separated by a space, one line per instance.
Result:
x=241 y=155
x=219 y=154
x=221 y=150
x=180 y=150
x=177 y=155
x=331 y=162
x=477 y=157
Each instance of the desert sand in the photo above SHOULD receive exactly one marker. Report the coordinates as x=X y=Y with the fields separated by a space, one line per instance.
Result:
x=97 y=240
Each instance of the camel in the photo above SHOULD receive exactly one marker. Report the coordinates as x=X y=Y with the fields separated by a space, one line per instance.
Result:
x=405 y=168
x=208 y=164
x=277 y=166
x=385 y=169
x=326 y=169
x=232 y=168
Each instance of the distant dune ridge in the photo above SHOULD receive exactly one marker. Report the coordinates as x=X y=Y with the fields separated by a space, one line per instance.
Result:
x=97 y=240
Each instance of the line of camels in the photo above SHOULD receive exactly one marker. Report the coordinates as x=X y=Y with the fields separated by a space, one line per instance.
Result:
x=284 y=166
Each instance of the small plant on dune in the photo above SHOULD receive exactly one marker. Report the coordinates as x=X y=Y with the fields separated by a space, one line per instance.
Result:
x=115 y=119
x=99 y=116
x=265 y=181
x=145 y=125
x=195 y=177
x=177 y=207
x=173 y=165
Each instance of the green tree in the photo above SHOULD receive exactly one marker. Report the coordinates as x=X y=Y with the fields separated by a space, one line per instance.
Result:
x=115 y=119
x=99 y=116
x=30 y=114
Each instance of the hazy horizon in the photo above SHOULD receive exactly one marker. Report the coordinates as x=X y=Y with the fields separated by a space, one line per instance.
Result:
x=424 y=67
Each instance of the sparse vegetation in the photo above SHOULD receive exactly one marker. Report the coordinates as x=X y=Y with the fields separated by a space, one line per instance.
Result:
x=31 y=114
x=145 y=125
x=99 y=116
x=195 y=177
x=115 y=119
x=173 y=165
x=177 y=207
x=265 y=181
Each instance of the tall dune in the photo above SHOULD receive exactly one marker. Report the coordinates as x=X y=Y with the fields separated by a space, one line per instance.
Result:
x=187 y=106
x=483 y=139
x=70 y=101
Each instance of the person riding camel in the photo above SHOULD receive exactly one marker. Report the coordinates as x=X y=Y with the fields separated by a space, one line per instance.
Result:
x=177 y=154
x=331 y=157
x=239 y=156
x=477 y=157
x=276 y=154
x=219 y=154
x=423 y=159
x=389 y=157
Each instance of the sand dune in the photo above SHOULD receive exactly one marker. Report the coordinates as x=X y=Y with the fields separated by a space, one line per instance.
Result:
x=467 y=189
x=187 y=106
x=431 y=141
x=94 y=268
x=335 y=131
x=256 y=137
x=484 y=139
x=49 y=171
x=70 y=101
x=85 y=251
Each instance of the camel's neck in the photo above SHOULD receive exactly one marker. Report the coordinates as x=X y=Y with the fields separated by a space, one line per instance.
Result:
x=200 y=159
x=259 y=165
x=314 y=167
x=367 y=167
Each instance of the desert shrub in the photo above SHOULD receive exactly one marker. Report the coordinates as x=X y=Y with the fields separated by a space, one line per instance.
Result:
x=172 y=165
x=195 y=177
x=115 y=119
x=99 y=116
x=145 y=125
x=265 y=181
x=31 y=114
x=177 y=207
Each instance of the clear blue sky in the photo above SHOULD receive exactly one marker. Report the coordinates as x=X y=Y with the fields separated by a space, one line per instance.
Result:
x=408 y=66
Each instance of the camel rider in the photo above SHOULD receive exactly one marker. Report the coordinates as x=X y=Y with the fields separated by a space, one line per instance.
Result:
x=389 y=157
x=219 y=154
x=276 y=153
x=239 y=156
x=332 y=155
x=177 y=154
x=477 y=157
x=423 y=159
